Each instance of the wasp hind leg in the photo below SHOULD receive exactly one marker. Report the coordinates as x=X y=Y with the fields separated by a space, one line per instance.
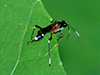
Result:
x=33 y=33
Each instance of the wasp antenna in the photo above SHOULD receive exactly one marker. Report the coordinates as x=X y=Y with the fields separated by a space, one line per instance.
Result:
x=78 y=35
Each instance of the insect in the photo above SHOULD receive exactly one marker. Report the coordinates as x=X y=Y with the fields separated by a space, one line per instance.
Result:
x=55 y=27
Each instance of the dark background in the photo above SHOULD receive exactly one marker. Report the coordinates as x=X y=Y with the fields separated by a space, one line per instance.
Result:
x=84 y=16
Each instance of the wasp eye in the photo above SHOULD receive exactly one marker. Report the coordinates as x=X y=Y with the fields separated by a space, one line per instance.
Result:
x=64 y=23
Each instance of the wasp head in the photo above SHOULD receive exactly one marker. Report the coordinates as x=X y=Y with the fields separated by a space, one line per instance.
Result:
x=64 y=24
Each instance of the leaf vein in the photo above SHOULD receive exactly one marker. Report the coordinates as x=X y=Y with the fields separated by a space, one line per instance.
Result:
x=23 y=38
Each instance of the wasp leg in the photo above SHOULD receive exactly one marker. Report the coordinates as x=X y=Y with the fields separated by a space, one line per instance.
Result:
x=49 y=50
x=60 y=36
x=34 y=30
x=68 y=33
x=33 y=33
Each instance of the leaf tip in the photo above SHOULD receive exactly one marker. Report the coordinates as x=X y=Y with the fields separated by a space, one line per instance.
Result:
x=60 y=63
x=39 y=1
x=51 y=19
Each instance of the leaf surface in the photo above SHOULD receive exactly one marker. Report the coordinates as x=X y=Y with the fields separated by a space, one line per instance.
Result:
x=17 y=19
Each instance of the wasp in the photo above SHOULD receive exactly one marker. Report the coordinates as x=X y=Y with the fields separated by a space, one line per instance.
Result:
x=55 y=27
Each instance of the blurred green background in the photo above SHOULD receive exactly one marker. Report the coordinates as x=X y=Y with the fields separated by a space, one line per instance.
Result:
x=84 y=16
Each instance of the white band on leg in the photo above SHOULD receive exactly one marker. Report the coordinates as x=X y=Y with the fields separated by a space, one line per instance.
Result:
x=49 y=61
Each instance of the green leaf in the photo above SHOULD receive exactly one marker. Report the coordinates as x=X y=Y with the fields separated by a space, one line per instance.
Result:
x=17 y=18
